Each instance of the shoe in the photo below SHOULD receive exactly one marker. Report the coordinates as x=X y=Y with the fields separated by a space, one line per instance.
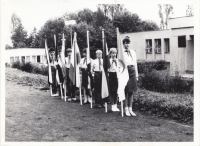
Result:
x=131 y=112
x=116 y=109
x=69 y=99
x=74 y=99
x=127 y=113
x=113 y=108
x=102 y=105
x=89 y=99
x=97 y=106
x=85 y=100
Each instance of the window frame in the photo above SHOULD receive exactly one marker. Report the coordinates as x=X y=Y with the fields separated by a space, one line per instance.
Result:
x=148 y=46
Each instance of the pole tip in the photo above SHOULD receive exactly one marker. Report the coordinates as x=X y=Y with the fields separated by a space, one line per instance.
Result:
x=102 y=29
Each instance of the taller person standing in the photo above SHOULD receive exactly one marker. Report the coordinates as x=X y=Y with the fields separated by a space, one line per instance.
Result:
x=131 y=87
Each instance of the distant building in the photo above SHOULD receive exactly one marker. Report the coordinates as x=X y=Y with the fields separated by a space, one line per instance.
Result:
x=174 y=45
x=33 y=55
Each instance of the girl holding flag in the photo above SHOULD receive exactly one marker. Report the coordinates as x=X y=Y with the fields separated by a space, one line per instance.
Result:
x=131 y=87
x=113 y=81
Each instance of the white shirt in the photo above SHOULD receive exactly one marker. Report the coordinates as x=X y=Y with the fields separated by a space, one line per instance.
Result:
x=113 y=67
x=131 y=60
x=67 y=64
x=95 y=65
x=83 y=63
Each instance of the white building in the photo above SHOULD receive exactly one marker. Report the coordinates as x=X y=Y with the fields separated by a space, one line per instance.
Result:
x=33 y=55
x=174 y=45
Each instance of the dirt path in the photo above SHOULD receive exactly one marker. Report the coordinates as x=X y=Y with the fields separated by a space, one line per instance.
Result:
x=32 y=115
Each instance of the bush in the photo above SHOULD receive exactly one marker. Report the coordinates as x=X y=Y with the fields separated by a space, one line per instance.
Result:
x=174 y=106
x=16 y=65
x=31 y=68
x=148 y=66
x=27 y=67
x=161 y=81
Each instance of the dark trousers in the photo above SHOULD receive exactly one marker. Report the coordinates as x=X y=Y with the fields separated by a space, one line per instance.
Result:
x=70 y=87
x=97 y=87
x=113 y=84
x=54 y=82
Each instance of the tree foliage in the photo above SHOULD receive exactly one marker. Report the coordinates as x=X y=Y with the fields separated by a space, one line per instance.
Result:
x=107 y=17
x=19 y=36
x=190 y=10
x=164 y=12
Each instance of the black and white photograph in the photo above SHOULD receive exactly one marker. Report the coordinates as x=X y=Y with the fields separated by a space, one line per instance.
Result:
x=100 y=71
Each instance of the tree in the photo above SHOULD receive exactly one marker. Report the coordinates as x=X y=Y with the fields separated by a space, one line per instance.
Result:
x=7 y=47
x=19 y=36
x=190 y=10
x=85 y=15
x=166 y=9
x=51 y=27
x=34 y=42
x=15 y=22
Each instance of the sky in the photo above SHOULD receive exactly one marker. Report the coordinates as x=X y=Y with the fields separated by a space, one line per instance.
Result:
x=34 y=13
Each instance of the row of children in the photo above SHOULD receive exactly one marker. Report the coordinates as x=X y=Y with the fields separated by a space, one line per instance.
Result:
x=95 y=76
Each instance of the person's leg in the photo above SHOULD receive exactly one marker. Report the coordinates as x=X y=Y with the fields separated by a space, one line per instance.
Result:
x=130 y=104
x=85 y=96
x=127 y=113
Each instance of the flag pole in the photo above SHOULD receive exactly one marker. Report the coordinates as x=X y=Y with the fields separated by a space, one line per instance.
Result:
x=89 y=83
x=106 y=109
x=79 y=75
x=122 y=108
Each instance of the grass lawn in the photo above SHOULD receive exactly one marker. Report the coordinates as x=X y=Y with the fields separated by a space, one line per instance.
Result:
x=32 y=115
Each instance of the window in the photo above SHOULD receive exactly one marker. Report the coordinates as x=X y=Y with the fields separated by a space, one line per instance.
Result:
x=157 y=45
x=38 y=59
x=167 y=48
x=45 y=59
x=11 y=59
x=27 y=58
x=23 y=59
x=181 y=41
x=17 y=58
x=34 y=59
x=148 y=46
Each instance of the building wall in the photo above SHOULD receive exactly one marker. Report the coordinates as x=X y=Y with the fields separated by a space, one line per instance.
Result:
x=30 y=54
x=180 y=58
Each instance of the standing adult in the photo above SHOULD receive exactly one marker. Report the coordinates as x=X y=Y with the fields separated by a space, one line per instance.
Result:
x=131 y=87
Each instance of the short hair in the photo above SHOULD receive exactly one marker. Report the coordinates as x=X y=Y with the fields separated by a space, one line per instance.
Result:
x=69 y=50
x=112 y=50
x=51 y=49
x=98 y=52
x=126 y=40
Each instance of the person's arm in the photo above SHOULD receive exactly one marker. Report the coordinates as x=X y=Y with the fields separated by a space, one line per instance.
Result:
x=136 y=68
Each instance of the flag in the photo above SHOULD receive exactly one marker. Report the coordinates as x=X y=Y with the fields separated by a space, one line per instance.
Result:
x=70 y=22
x=122 y=73
x=74 y=73
x=88 y=60
x=48 y=61
x=62 y=59
x=56 y=49
x=106 y=66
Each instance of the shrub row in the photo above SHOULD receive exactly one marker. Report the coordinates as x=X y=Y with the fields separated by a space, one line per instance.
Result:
x=162 y=81
x=148 y=66
x=31 y=68
x=174 y=106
